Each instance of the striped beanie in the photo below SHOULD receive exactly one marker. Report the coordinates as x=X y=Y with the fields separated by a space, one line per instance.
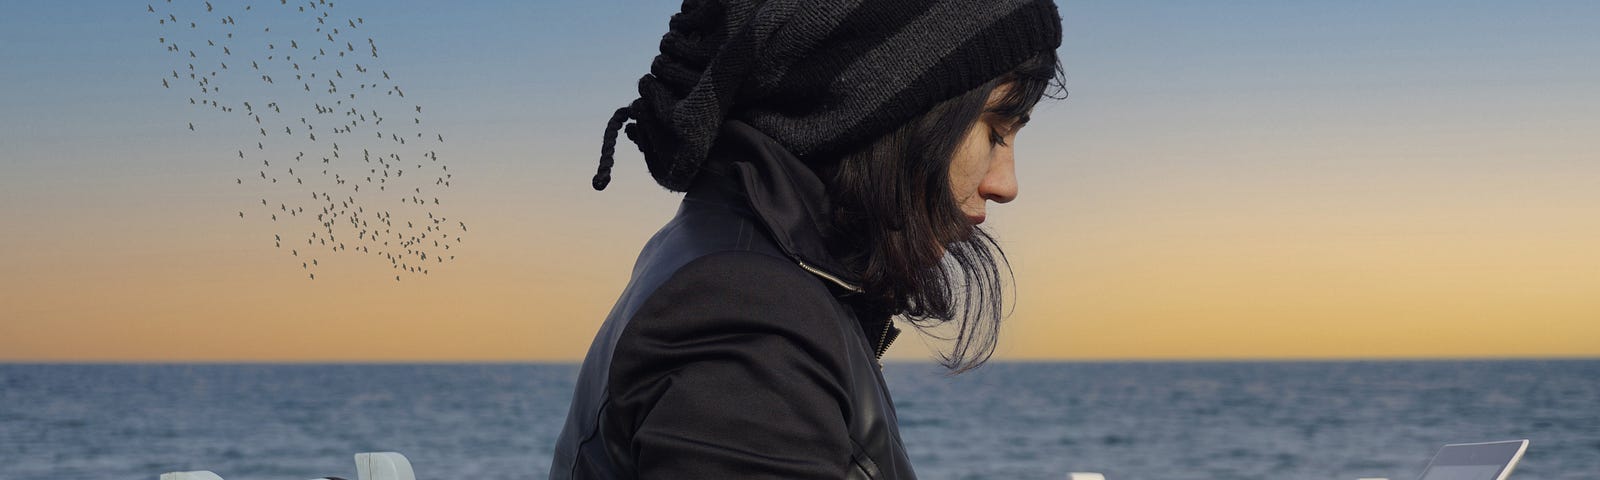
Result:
x=818 y=76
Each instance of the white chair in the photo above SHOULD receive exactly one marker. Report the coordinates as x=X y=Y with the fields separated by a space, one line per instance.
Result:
x=369 y=466
x=383 y=466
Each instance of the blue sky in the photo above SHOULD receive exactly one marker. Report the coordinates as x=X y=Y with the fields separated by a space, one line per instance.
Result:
x=1370 y=169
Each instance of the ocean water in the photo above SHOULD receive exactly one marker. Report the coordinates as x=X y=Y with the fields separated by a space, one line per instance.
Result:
x=1131 y=421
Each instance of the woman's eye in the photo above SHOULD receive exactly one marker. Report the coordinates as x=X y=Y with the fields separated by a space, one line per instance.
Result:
x=995 y=138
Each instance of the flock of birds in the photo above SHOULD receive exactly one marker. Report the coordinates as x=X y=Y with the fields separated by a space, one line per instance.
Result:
x=336 y=138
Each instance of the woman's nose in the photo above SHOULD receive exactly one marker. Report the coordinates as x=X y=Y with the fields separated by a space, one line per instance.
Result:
x=1000 y=185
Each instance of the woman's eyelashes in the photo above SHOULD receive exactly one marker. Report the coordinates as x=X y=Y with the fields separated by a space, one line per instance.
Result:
x=996 y=138
x=1000 y=128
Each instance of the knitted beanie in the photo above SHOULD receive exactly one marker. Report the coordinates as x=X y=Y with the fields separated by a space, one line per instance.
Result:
x=818 y=76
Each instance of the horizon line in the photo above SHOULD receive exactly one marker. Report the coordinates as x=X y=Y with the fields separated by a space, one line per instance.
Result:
x=885 y=361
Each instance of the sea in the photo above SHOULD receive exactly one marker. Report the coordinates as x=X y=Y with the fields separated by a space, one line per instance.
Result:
x=1128 y=420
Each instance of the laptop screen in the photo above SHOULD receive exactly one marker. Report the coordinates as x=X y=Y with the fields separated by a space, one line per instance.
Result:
x=1475 y=461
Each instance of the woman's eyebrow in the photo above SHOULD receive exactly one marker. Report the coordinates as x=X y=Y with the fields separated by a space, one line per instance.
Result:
x=1010 y=124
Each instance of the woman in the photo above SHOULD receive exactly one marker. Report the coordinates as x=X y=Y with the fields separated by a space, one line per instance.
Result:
x=837 y=157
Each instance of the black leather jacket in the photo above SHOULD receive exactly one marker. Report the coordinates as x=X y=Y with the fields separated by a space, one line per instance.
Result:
x=732 y=352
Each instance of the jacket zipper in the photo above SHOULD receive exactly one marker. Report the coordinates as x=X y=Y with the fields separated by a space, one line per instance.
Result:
x=830 y=278
x=883 y=341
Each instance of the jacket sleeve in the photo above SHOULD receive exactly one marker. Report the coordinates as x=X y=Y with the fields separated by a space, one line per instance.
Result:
x=733 y=368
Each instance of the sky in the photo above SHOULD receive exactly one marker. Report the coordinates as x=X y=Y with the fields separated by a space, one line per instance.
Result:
x=1226 y=180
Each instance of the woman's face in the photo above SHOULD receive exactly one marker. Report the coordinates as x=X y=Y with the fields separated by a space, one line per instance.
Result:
x=982 y=169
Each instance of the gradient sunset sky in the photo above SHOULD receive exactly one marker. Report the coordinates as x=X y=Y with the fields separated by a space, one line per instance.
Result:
x=1227 y=180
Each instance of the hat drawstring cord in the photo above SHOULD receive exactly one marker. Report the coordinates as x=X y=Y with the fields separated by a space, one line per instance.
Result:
x=608 y=146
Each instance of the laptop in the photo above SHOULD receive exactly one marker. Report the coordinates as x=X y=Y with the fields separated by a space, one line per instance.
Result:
x=1475 y=461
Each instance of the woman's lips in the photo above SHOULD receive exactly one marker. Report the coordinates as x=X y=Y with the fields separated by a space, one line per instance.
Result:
x=977 y=219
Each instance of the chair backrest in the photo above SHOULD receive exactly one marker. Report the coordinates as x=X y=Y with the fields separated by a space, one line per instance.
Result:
x=383 y=466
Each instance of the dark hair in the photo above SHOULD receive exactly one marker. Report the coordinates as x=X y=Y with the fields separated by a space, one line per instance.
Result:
x=896 y=222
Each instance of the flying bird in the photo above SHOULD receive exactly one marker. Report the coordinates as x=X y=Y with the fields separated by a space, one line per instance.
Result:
x=361 y=112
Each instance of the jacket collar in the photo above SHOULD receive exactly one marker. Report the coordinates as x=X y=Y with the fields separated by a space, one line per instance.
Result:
x=785 y=195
